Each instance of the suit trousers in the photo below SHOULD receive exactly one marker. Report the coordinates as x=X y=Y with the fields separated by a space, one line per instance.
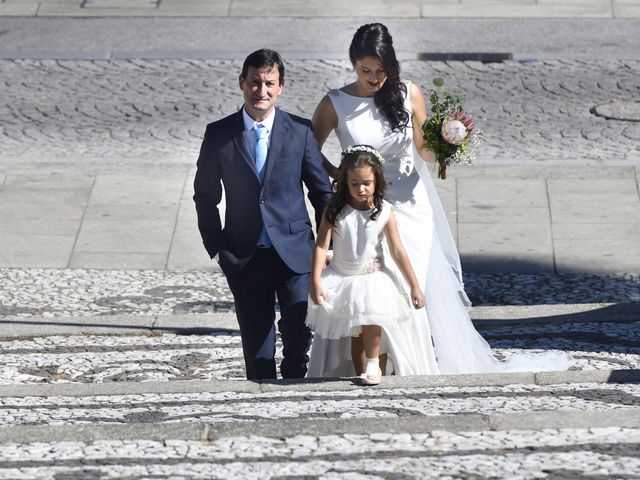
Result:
x=255 y=288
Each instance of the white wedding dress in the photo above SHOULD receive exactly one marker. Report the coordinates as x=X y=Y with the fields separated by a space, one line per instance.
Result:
x=439 y=338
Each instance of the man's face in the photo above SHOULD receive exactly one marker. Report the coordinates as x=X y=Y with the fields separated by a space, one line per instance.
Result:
x=260 y=88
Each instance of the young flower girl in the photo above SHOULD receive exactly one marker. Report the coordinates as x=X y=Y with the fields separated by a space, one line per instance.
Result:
x=356 y=295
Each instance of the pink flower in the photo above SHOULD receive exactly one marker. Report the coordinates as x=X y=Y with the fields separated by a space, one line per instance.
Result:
x=467 y=120
x=456 y=127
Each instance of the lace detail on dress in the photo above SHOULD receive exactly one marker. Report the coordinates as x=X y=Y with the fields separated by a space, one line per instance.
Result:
x=362 y=267
x=406 y=165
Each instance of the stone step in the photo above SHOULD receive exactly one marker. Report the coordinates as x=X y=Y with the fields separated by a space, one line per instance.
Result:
x=315 y=427
x=523 y=454
x=556 y=424
x=204 y=347
x=197 y=410
x=164 y=397
x=482 y=316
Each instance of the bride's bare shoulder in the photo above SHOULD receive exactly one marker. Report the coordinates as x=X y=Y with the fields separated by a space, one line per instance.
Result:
x=324 y=119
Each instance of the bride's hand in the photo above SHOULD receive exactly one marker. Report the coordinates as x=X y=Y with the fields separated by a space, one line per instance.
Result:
x=417 y=298
x=428 y=156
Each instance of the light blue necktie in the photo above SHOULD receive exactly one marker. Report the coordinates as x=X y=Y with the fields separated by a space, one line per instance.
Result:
x=261 y=159
x=261 y=149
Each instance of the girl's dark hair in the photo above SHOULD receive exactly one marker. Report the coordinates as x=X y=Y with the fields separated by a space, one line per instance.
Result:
x=356 y=159
x=374 y=40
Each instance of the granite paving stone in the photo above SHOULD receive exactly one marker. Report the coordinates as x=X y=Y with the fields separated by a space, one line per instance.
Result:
x=563 y=453
x=336 y=404
x=79 y=292
x=217 y=354
x=150 y=110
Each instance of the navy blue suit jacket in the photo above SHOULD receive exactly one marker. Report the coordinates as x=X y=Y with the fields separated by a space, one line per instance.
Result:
x=278 y=203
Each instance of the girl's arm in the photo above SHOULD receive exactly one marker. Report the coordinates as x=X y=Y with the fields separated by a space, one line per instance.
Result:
x=401 y=258
x=418 y=117
x=324 y=120
x=323 y=240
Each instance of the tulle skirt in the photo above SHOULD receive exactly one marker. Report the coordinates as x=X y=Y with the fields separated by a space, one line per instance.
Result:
x=356 y=300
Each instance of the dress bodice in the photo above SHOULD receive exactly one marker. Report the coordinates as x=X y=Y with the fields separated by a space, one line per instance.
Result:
x=360 y=122
x=357 y=240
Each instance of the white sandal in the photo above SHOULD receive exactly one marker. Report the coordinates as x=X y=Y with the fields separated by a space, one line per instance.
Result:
x=371 y=379
x=372 y=374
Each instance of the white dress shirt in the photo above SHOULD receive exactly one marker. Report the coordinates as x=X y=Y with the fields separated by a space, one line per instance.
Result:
x=250 y=125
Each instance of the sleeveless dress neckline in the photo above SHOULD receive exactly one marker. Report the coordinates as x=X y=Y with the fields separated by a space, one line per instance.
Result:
x=372 y=97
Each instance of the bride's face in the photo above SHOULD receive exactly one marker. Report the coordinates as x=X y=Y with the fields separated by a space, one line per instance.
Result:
x=371 y=75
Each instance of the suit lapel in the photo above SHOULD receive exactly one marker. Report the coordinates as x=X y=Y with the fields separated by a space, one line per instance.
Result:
x=240 y=143
x=278 y=140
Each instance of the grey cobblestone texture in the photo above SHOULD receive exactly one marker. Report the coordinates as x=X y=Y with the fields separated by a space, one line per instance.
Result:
x=383 y=403
x=156 y=110
x=87 y=292
x=606 y=453
x=597 y=345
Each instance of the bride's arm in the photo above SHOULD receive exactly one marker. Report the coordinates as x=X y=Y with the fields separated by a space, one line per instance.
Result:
x=324 y=120
x=418 y=117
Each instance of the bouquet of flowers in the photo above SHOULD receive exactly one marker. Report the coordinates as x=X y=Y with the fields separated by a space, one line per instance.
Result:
x=450 y=133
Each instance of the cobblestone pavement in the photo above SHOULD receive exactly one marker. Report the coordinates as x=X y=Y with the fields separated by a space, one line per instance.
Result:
x=356 y=402
x=164 y=405
x=78 y=292
x=167 y=405
x=604 y=345
x=242 y=407
x=156 y=110
x=559 y=454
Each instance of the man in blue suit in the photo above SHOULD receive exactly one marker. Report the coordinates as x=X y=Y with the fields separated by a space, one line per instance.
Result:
x=263 y=156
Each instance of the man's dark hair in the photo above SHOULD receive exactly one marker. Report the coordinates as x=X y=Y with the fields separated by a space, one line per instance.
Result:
x=264 y=58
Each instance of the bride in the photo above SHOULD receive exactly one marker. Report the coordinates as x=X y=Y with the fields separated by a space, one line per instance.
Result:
x=381 y=110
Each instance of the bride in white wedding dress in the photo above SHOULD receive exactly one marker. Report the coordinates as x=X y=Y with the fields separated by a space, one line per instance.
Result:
x=380 y=110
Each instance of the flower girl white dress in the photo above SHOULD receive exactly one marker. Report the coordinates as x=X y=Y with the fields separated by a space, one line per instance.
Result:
x=359 y=288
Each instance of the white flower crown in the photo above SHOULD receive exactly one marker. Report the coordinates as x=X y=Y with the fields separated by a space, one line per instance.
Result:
x=363 y=148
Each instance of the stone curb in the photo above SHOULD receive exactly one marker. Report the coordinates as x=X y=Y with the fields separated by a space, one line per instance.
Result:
x=117 y=324
x=198 y=431
x=420 y=424
x=319 y=384
x=486 y=317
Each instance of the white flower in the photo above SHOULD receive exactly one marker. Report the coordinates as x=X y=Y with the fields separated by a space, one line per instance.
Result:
x=453 y=131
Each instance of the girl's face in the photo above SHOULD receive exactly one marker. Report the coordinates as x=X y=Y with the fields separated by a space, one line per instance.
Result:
x=362 y=185
x=371 y=75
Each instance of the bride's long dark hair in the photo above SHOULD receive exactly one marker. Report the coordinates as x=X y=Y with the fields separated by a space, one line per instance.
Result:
x=374 y=40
